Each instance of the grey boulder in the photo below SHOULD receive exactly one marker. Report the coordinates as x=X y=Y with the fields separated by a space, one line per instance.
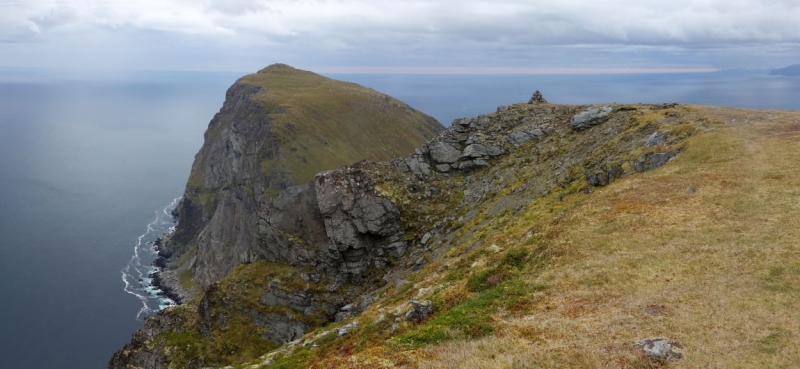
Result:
x=590 y=117
x=443 y=153
x=419 y=310
x=660 y=348
x=474 y=151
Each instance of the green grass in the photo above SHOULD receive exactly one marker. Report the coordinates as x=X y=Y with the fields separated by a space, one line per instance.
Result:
x=472 y=318
x=329 y=123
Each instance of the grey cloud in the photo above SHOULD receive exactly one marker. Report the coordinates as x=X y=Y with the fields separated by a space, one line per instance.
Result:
x=236 y=7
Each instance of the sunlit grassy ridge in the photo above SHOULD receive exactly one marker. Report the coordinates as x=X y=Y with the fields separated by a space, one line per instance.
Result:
x=324 y=123
x=703 y=251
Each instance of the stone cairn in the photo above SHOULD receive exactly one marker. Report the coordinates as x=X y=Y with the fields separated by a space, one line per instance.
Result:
x=537 y=98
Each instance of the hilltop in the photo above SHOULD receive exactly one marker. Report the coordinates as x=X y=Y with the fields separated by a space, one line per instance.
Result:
x=538 y=235
x=276 y=129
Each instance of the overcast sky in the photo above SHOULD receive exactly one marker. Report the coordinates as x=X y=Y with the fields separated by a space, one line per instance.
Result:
x=444 y=36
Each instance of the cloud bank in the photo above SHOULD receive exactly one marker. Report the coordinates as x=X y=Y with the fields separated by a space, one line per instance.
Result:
x=464 y=32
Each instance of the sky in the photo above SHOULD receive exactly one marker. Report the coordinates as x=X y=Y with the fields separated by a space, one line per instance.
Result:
x=414 y=36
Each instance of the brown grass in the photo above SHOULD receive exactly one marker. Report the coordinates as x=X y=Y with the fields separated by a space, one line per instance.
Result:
x=716 y=270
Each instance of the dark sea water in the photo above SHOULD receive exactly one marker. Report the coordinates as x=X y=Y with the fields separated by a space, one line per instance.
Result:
x=89 y=168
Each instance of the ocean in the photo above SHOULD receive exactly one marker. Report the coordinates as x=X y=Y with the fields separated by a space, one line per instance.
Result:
x=90 y=167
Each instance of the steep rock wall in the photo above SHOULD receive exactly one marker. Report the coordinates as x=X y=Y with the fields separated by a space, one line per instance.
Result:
x=276 y=129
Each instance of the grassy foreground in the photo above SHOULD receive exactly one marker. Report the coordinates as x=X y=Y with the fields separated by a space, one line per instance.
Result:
x=703 y=252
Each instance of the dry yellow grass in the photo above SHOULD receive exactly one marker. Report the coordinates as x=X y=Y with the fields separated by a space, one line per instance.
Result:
x=703 y=252
x=716 y=269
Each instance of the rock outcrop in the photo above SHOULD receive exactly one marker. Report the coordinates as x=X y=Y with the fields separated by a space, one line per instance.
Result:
x=276 y=129
x=321 y=251
x=590 y=117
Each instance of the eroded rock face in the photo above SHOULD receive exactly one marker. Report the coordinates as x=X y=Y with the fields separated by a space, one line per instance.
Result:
x=245 y=160
x=339 y=225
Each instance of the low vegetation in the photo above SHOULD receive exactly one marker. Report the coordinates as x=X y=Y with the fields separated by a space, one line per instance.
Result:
x=702 y=251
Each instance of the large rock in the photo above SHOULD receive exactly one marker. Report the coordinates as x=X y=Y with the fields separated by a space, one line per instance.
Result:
x=590 y=117
x=419 y=310
x=444 y=153
x=474 y=151
x=660 y=348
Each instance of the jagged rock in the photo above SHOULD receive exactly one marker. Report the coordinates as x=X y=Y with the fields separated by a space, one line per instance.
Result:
x=657 y=138
x=396 y=250
x=443 y=153
x=590 y=117
x=660 y=348
x=480 y=123
x=522 y=137
x=537 y=98
x=474 y=151
x=652 y=161
x=604 y=176
x=419 y=310
x=417 y=166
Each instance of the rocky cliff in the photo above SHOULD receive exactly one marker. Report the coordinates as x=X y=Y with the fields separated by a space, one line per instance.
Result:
x=326 y=250
x=277 y=128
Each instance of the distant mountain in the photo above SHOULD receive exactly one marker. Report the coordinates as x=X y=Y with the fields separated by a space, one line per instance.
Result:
x=792 y=70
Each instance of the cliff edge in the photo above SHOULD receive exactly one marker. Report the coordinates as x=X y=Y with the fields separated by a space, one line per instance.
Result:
x=276 y=129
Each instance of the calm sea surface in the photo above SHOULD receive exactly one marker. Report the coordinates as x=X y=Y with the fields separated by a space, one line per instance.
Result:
x=88 y=167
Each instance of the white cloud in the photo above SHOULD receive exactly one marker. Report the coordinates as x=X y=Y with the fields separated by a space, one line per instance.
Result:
x=536 y=21
x=460 y=31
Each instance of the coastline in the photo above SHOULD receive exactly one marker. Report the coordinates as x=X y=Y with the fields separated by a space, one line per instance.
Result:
x=168 y=278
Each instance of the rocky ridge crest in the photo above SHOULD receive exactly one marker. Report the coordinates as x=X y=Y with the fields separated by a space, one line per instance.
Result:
x=332 y=245
x=276 y=129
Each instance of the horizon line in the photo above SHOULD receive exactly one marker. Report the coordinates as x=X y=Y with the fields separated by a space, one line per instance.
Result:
x=506 y=70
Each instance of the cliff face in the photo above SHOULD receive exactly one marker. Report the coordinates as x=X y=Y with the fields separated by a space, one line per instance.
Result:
x=277 y=128
x=326 y=250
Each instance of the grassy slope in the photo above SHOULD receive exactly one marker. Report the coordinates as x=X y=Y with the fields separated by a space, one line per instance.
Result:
x=329 y=123
x=575 y=283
